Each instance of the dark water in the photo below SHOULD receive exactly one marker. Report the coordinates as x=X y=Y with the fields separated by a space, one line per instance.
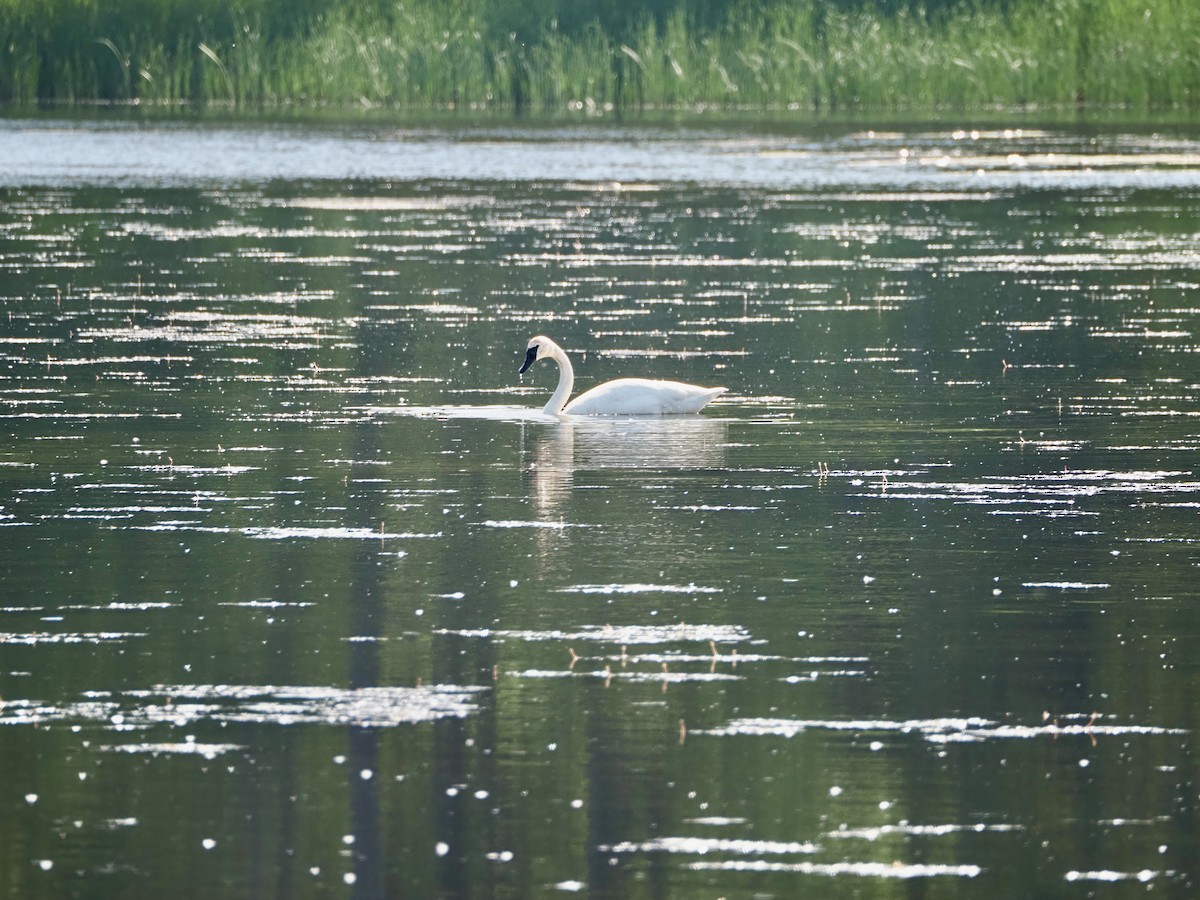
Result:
x=302 y=596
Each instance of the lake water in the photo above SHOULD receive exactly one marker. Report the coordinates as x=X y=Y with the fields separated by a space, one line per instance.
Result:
x=302 y=596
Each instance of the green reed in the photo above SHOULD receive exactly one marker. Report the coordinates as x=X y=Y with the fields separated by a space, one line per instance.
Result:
x=808 y=54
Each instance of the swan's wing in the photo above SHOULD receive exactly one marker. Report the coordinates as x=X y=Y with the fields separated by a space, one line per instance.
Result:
x=642 y=397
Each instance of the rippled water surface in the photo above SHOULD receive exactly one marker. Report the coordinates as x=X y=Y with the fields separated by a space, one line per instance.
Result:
x=303 y=596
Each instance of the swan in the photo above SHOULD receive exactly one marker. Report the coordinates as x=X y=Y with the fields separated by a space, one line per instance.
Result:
x=622 y=397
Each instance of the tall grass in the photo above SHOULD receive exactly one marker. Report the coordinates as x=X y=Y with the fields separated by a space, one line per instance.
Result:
x=823 y=54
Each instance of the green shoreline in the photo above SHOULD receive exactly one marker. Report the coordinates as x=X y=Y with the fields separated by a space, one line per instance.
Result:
x=498 y=123
x=800 y=56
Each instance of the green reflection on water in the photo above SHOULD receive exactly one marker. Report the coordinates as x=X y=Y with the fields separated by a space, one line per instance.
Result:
x=272 y=438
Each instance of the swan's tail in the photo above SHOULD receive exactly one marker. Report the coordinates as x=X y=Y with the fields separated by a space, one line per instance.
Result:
x=708 y=397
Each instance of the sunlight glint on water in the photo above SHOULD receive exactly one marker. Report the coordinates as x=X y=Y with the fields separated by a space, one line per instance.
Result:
x=288 y=546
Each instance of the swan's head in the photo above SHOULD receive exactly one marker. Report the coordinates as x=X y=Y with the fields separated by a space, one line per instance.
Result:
x=538 y=347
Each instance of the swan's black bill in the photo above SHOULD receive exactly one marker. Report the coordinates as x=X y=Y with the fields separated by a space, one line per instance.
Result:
x=530 y=358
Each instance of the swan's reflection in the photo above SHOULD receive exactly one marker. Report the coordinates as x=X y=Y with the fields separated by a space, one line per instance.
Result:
x=619 y=442
x=659 y=442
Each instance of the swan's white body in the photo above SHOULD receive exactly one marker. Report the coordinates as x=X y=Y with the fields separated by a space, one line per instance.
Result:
x=622 y=397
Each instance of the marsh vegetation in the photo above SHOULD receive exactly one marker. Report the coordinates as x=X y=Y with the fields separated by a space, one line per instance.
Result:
x=498 y=54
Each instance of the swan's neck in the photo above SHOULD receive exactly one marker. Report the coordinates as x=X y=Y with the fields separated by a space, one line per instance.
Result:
x=566 y=381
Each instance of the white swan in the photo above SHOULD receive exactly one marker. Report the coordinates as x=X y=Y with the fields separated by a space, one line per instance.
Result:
x=623 y=397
